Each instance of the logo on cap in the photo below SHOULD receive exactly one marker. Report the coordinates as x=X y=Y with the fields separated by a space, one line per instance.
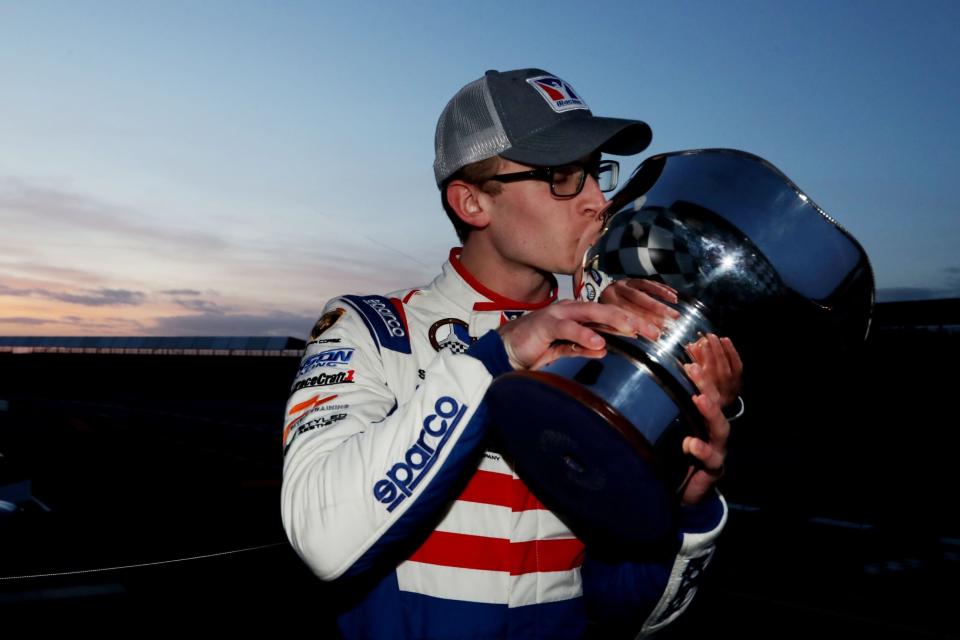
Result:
x=558 y=94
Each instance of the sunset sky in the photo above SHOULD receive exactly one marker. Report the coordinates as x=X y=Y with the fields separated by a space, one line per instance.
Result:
x=222 y=168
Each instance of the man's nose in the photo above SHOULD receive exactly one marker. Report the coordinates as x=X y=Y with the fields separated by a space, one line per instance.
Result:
x=593 y=199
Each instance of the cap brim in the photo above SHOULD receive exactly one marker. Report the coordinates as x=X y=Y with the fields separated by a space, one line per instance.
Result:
x=574 y=138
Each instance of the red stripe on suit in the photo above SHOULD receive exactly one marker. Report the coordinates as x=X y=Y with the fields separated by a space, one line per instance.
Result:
x=499 y=554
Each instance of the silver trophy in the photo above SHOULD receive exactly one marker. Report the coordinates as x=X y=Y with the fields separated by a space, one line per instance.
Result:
x=751 y=257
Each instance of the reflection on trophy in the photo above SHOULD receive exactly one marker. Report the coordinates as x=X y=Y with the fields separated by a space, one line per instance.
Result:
x=751 y=257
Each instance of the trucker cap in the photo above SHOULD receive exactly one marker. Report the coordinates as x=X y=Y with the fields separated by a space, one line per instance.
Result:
x=529 y=116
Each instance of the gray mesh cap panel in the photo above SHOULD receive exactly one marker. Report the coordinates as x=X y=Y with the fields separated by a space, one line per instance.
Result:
x=503 y=113
x=469 y=130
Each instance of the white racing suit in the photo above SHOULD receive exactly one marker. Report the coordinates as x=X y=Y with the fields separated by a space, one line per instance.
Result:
x=388 y=489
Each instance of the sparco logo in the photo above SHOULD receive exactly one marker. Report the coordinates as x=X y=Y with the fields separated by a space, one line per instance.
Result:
x=404 y=476
x=389 y=317
x=324 y=379
x=328 y=358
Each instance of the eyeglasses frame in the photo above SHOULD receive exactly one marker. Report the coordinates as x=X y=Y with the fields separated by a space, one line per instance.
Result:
x=545 y=174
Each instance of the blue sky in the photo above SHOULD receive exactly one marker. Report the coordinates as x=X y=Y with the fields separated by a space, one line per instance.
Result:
x=224 y=167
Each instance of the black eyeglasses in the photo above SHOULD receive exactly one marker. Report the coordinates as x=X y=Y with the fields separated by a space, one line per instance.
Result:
x=567 y=180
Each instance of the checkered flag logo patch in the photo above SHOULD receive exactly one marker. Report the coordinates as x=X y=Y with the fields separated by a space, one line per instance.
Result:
x=451 y=334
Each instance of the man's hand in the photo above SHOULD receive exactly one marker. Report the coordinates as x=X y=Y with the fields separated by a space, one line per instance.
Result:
x=720 y=363
x=540 y=337
x=639 y=296
x=710 y=453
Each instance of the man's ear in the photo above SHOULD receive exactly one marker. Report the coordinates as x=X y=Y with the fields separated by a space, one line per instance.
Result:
x=469 y=203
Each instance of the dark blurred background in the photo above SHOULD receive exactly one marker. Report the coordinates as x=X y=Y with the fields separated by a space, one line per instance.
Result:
x=140 y=487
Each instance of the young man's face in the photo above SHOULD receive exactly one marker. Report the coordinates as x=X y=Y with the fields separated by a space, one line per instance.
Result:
x=531 y=226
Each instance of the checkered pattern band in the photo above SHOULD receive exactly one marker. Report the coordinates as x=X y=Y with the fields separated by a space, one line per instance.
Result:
x=689 y=253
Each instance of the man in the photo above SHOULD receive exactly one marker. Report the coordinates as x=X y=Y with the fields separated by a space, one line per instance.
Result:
x=388 y=486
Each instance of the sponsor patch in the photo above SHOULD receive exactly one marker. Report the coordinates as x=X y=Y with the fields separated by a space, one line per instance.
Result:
x=404 y=476
x=325 y=408
x=315 y=401
x=324 y=341
x=597 y=278
x=326 y=321
x=507 y=316
x=558 y=94
x=324 y=380
x=328 y=358
x=303 y=409
x=590 y=292
x=316 y=423
x=384 y=321
x=451 y=334
x=293 y=424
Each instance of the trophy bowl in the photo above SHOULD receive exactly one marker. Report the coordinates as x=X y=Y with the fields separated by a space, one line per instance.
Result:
x=751 y=257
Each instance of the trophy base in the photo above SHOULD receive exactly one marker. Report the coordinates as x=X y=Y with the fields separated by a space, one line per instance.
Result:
x=609 y=469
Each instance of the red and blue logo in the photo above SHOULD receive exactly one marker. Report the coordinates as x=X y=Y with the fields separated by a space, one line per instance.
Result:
x=558 y=94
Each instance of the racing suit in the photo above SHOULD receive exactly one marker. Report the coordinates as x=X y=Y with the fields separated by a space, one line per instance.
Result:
x=387 y=484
